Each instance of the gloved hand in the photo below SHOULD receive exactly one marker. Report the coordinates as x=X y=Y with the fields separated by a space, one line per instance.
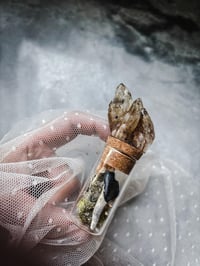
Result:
x=39 y=188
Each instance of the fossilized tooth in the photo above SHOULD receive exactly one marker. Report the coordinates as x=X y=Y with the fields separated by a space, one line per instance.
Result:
x=111 y=186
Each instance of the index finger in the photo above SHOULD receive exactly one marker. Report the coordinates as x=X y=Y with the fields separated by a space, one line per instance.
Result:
x=65 y=128
x=43 y=141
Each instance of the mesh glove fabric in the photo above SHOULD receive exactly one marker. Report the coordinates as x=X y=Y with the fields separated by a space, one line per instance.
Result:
x=44 y=163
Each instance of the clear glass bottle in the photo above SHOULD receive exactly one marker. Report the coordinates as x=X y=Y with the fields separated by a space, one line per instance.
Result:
x=104 y=189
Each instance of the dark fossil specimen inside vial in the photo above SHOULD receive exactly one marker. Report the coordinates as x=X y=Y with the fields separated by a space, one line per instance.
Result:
x=111 y=186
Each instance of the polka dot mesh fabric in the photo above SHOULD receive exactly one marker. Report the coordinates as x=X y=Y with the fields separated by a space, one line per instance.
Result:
x=46 y=160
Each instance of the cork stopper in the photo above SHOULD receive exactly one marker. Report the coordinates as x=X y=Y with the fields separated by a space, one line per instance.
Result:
x=119 y=155
x=124 y=147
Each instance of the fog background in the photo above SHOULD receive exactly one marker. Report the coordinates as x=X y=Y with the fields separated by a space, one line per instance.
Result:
x=72 y=55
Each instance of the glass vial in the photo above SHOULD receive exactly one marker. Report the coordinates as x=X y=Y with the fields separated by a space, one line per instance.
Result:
x=102 y=192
